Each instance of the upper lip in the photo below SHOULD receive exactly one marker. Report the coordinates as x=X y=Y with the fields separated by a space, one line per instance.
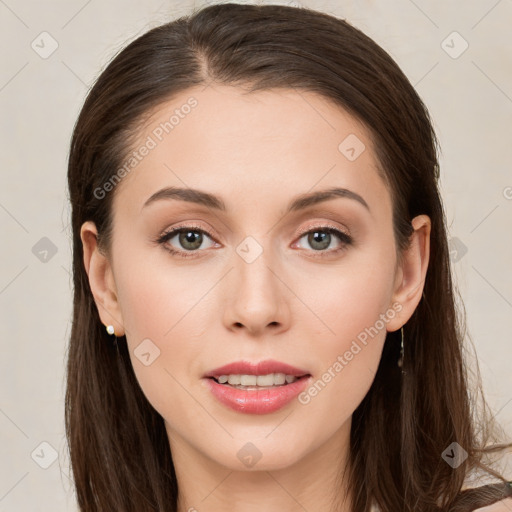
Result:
x=261 y=368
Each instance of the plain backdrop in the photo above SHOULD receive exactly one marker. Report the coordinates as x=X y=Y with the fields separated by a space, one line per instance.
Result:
x=458 y=56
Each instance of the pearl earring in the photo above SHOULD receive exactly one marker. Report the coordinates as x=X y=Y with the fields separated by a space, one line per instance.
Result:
x=110 y=329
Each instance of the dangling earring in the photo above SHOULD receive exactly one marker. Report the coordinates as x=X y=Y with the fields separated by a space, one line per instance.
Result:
x=401 y=358
x=110 y=329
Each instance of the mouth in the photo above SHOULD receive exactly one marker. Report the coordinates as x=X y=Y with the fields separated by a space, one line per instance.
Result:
x=257 y=382
x=268 y=373
x=256 y=388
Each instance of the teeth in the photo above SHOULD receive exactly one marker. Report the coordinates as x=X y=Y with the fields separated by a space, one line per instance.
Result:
x=265 y=380
x=234 y=380
x=272 y=379
x=279 y=378
x=247 y=380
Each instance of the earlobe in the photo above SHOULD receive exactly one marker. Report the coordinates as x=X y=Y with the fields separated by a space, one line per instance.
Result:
x=412 y=271
x=101 y=279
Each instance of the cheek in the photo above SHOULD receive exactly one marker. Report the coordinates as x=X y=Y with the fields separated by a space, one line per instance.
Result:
x=347 y=299
x=158 y=297
x=354 y=308
x=163 y=332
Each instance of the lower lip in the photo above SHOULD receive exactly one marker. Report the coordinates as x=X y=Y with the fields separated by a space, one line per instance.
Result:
x=260 y=401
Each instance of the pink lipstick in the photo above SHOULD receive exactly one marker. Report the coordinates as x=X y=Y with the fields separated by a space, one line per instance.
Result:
x=256 y=388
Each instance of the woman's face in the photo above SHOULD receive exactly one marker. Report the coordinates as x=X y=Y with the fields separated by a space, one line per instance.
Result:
x=258 y=283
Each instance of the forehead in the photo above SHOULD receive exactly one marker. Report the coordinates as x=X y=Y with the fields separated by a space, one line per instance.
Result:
x=249 y=146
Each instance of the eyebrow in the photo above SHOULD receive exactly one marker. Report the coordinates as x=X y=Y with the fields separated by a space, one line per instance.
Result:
x=212 y=201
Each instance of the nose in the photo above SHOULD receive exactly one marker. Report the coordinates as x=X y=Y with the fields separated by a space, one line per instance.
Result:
x=256 y=296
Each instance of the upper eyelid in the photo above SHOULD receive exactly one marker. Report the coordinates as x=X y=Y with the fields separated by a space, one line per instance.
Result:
x=301 y=232
x=320 y=227
x=175 y=230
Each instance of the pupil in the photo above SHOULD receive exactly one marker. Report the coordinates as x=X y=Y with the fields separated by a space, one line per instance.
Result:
x=190 y=237
x=317 y=236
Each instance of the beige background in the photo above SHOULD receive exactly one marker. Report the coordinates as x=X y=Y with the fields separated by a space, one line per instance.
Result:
x=469 y=97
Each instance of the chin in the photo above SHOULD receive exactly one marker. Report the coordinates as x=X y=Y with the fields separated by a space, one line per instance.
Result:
x=261 y=454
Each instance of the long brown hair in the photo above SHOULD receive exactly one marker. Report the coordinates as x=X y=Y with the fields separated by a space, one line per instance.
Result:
x=119 y=450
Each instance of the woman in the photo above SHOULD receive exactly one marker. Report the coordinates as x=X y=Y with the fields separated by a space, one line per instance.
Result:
x=264 y=312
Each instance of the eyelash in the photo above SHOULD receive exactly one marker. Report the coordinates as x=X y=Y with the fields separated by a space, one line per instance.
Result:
x=344 y=238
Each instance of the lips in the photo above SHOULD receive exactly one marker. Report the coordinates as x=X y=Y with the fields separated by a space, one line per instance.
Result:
x=254 y=399
x=261 y=368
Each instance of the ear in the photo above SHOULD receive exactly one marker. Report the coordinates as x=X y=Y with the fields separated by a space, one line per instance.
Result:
x=101 y=279
x=411 y=272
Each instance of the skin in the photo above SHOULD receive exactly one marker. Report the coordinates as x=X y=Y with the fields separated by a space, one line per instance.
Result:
x=502 y=506
x=256 y=151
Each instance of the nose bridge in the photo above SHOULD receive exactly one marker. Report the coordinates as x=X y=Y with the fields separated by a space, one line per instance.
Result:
x=256 y=299
x=253 y=264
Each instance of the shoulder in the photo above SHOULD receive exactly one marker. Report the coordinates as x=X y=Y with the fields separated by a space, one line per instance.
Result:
x=500 y=506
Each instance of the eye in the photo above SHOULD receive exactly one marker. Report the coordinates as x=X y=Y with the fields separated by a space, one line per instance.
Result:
x=321 y=237
x=189 y=238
